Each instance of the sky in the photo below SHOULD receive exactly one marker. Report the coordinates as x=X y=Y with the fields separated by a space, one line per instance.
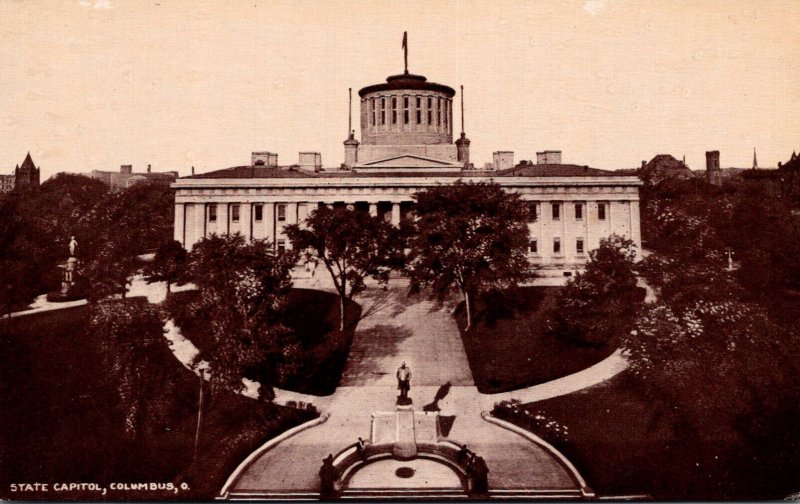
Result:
x=93 y=84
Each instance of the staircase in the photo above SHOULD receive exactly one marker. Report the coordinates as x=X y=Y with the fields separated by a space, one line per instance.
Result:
x=396 y=494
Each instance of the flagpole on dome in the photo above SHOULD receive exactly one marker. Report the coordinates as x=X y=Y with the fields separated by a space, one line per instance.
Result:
x=405 y=49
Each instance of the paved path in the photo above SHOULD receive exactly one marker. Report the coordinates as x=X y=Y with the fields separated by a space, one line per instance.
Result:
x=394 y=328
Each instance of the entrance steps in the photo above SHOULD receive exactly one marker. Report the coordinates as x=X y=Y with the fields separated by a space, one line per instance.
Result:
x=272 y=496
x=536 y=494
x=393 y=494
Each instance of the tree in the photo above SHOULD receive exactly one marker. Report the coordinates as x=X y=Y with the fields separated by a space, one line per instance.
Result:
x=168 y=265
x=132 y=337
x=602 y=301
x=471 y=236
x=109 y=272
x=243 y=288
x=352 y=245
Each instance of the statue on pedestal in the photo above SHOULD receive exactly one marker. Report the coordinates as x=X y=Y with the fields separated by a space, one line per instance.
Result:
x=73 y=246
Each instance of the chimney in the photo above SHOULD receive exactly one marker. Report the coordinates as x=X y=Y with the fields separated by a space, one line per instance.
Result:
x=713 y=172
x=310 y=161
x=503 y=160
x=264 y=158
x=192 y=170
x=548 y=157
x=126 y=169
x=149 y=168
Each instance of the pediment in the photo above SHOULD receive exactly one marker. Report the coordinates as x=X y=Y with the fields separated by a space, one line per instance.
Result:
x=409 y=161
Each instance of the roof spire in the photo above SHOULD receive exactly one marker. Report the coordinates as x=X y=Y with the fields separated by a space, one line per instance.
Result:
x=462 y=110
x=755 y=161
x=405 y=49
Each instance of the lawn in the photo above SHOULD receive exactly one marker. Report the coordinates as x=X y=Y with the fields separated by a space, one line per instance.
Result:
x=313 y=317
x=509 y=346
x=58 y=422
x=624 y=443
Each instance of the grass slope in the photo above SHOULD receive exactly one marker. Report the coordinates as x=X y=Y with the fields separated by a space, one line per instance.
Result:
x=58 y=421
x=624 y=443
x=313 y=317
x=509 y=346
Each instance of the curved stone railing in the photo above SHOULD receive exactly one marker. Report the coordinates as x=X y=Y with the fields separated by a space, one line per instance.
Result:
x=348 y=460
x=226 y=488
x=586 y=491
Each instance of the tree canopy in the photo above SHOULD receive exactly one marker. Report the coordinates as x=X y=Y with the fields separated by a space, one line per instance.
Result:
x=471 y=237
x=243 y=287
x=603 y=300
x=353 y=246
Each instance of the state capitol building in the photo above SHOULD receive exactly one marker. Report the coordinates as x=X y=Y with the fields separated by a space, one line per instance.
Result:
x=406 y=145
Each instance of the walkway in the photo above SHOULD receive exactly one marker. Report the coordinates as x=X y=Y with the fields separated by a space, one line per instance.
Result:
x=396 y=328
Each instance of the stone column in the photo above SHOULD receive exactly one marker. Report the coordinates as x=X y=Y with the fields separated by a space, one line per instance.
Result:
x=180 y=223
x=199 y=222
x=292 y=214
x=223 y=220
x=246 y=220
x=373 y=209
x=269 y=221
x=636 y=232
x=395 y=214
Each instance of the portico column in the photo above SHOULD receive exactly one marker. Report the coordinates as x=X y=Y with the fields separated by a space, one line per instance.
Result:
x=246 y=220
x=199 y=223
x=180 y=223
x=222 y=219
x=373 y=209
x=636 y=233
x=395 y=214
x=292 y=214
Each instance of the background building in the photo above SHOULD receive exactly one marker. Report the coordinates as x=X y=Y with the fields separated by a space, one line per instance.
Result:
x=24 y=176
x=126 y=177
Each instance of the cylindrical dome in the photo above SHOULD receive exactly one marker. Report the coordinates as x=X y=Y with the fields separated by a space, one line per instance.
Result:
x=406 y=110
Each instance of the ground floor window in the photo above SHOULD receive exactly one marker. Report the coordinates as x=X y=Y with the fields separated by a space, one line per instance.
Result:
x=556 y=245
x=281 y=212
x=212 y=213
x=579 y=245
x=281 y=246
x=533 y=246
x=234 y=213
x=259 y=212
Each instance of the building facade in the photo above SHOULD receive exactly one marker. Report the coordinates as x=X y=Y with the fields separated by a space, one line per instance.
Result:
x=24 y=177
x=126 y=177
x=407 y=146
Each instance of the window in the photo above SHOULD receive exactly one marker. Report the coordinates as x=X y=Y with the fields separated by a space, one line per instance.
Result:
x=281 y=212
x=533 y=212
x=259 y=212
x=556 y=211
x=430 y=110
x=212 y=213
x=533 y=246
x=578 y=211
x=383 y=111
x=234 y=213
x=601 y=211
x=374 y=112
x=281 y=246
x=438 y=112
x=405 y=110
x=579 y=245
x=446 y=109
x=394 y=110
x=556 y=245
x=419 y=110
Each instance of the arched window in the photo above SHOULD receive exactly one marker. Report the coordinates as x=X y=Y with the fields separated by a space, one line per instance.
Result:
x=405 y=110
